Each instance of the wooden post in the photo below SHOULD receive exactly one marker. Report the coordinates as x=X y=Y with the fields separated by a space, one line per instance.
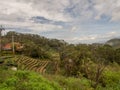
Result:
x=13 y=45
x=0 y=43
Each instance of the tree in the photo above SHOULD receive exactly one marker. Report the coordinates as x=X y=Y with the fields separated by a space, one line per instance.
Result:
x=1 y=29
x=117 y=56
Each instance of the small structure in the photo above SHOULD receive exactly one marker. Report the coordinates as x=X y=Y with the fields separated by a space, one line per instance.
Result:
x=7 y=47
x=18 y=46
x=14 y=68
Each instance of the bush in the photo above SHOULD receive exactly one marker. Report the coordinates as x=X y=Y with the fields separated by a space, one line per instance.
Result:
x=24 y=80
x=111 y=80
x=71 y=83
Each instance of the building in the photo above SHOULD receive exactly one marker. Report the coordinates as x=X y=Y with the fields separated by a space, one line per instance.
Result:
x=7 y=47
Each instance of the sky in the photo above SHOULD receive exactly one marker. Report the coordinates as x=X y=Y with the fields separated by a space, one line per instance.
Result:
x=75 y=21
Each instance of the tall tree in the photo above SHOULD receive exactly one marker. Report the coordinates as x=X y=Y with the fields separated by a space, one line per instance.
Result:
x=1 y=29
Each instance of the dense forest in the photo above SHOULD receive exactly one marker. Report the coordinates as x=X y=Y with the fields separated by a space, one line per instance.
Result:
x=98 y=65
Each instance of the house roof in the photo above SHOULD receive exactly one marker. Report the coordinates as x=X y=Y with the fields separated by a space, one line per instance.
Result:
x=7 y=47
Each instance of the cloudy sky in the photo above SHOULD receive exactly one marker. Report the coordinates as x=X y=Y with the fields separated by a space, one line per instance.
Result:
x=75 y=21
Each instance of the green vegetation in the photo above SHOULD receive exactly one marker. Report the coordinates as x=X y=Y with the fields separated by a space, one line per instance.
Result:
x=35 y=46
x=71 y=83
x=24 y=80
x=67 y=66
x=40 y=66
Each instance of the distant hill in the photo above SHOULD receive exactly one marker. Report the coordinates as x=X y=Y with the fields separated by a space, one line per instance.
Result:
x=34 y=45
x=114 y=43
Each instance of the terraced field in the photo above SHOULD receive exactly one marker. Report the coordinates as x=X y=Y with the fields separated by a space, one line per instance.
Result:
x=40 y=66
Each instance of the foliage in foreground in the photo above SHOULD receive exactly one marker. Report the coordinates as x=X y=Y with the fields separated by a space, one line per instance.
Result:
x=24 y=80
x=71 y=83
x=108 y=80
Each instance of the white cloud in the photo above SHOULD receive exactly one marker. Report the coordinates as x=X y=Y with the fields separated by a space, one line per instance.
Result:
x=36 y=28
x=55 y=9
x=93 y=38
x=52 y=10
x=109 y=8
x=74 y=28
x=18 y=14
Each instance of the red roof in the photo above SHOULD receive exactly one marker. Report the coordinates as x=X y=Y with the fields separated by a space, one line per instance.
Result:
x=7 y=47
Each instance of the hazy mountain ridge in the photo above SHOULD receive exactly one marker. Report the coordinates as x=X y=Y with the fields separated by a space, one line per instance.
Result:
x=114 y=42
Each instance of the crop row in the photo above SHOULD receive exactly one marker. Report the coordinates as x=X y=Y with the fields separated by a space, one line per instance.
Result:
x=31 y=64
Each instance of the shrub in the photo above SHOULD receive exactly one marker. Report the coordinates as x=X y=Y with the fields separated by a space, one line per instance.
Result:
x=111 y=79
x=71 y=83
x=24 y=80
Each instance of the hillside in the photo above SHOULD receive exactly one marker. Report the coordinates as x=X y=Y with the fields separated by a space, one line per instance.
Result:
x=34 y=45
x=25 y=80
x=114 y=43
x=71 y=66
x=28 y=79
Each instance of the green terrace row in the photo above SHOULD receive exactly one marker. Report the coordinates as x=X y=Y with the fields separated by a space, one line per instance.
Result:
x=27 y=63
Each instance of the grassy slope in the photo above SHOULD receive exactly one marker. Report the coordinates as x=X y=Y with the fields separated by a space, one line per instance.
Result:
x=26 y=80
x=110 y=80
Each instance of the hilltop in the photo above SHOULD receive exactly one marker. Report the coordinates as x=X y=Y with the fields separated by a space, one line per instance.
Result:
x=114 y=43
x=34 y=45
